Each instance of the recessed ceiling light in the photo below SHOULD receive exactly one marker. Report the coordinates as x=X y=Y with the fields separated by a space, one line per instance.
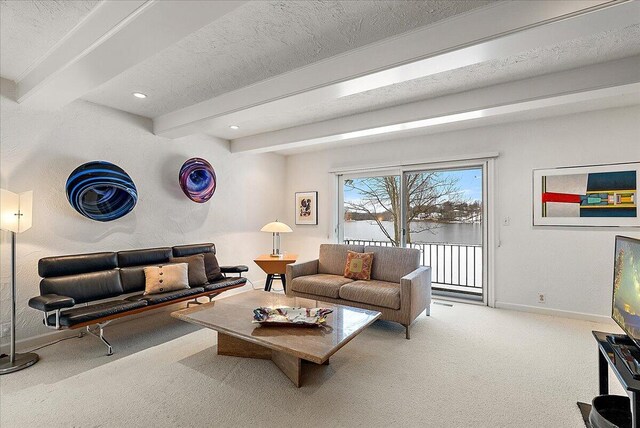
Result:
x=234 y=127
x=139 y=95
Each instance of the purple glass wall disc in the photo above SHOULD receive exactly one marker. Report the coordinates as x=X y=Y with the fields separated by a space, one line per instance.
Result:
x=197 y=180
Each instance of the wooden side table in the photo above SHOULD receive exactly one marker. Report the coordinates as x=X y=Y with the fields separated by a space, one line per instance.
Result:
x=275 y=268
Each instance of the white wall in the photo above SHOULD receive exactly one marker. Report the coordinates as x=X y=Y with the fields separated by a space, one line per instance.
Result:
x=39 y=149
x=572 y=266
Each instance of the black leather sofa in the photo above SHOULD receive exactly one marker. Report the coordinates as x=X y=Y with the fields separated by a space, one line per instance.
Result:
x=94 y=289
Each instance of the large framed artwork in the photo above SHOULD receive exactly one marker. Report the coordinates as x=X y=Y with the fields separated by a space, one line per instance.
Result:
x=306 y=208
x=600 y=195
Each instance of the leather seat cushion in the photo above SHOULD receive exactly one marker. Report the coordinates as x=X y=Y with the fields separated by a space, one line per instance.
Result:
x=375 y=293
x=82 y=314
x=322 y=284
x=154 y=299
x=225 y=282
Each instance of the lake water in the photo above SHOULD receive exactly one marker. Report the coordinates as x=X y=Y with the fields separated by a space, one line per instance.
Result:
x=454 y=233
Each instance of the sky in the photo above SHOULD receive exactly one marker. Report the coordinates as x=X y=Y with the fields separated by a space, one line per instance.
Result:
x=470 y=183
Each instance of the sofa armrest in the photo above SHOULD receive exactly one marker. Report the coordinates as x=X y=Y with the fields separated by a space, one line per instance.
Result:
x=295 y=270
x=415 y=292
x=234 y=269
x=51 y=302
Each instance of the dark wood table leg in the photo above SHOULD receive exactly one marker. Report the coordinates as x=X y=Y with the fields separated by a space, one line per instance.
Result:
x=267 y=285
x=283 y=278
x=603 y=373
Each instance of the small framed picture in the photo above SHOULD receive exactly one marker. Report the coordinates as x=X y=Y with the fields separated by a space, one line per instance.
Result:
x=306 y=207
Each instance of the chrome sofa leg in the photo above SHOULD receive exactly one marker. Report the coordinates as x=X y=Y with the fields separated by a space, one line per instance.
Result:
x=100 y=335
x=193 y=302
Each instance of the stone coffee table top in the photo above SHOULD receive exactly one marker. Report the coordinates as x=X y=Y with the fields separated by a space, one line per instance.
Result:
x=232 y=318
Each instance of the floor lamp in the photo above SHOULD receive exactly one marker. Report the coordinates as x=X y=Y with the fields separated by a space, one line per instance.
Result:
x=15 y=212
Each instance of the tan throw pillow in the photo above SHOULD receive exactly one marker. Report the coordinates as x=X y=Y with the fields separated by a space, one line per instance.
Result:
x=159 y=279
x=358 y=266
x=197 y=272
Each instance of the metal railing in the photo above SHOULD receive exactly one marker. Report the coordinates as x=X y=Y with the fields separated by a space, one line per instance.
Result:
x=456 y=265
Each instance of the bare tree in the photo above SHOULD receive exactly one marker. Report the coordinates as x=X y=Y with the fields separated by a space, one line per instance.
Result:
x=380 y=201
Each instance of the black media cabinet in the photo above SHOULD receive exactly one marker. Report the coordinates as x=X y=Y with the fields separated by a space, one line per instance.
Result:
x=608 y=358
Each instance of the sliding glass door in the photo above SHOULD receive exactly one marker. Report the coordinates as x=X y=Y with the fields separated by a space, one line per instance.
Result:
x=440 y=211
x=444 y=220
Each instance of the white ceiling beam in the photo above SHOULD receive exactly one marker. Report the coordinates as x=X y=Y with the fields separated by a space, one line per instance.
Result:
x=115 y=36
x=481 y=35
x=614 y=78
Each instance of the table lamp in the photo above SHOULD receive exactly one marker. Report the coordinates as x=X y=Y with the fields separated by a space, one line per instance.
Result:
x=276 y=228
x=15 y=217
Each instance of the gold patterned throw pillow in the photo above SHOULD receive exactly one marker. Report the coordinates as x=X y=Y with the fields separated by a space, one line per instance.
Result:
x=171 y=277
x=358 y=266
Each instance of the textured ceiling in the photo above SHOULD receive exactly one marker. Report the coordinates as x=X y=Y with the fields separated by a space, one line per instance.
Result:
x=262 y=39
x=28 y=29
x=601 y=47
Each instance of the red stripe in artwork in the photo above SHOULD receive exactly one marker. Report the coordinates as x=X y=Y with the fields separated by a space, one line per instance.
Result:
x=560 y=197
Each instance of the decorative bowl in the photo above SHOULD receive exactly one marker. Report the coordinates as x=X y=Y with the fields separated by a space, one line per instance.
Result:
x=291 y=316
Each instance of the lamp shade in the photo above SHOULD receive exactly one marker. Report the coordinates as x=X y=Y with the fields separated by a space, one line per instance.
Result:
x=276 y=227
x=15 y=210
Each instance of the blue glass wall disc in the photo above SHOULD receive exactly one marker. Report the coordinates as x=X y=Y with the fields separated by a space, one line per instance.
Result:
x=101 y=191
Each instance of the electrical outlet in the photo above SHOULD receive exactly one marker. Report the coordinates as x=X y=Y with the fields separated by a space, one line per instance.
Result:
x=542 y=298
x=5 y=329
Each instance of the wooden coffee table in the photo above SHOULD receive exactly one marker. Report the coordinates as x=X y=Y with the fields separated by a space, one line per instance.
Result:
x=287 y=347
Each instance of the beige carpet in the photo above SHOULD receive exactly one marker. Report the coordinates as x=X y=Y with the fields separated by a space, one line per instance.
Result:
x=465 y=366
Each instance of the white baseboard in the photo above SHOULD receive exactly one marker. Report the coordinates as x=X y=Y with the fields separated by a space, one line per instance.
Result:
x=28 y=343
x=555 y=312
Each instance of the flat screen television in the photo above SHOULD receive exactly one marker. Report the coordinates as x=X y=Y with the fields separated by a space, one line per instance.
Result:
x=625 y=308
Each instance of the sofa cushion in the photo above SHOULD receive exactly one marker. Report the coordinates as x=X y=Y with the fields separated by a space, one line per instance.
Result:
x=148 y=256
x=391 y=263
x=84 y=287
x=191 y=249
x=80 y=263
x=375 y=293
x=154 y=299
x=214 y=272
x=358 y=266
x=197 y=274
x=320 y=284
x=132 y=278
x=333 y=256
x=82 y=314
x=225 y=282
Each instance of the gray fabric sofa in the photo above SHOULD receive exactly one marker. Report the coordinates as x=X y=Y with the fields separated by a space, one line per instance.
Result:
x=399 y=287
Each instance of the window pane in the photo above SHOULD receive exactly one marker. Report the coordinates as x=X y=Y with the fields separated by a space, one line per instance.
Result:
x=445 y=207
x=444 y=221
x=372 y=210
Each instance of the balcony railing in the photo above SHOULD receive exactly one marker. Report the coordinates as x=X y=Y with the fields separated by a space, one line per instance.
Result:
x=454 y=267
